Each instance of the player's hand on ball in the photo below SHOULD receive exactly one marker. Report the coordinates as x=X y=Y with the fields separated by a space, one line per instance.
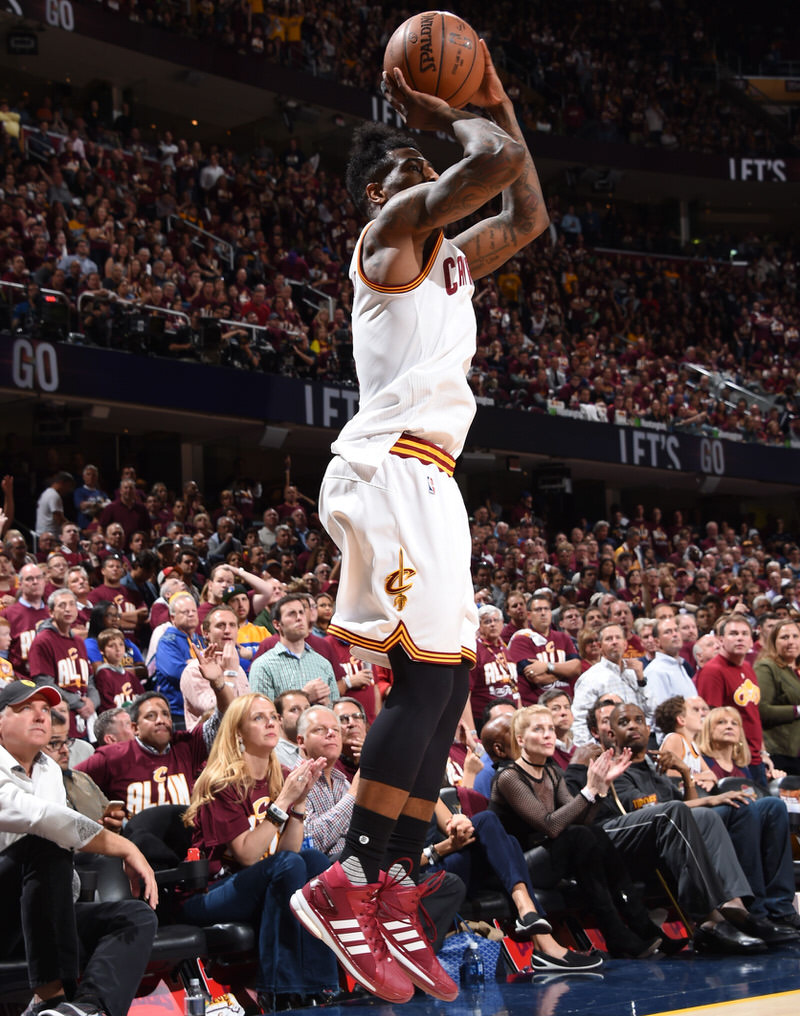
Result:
x=490 y=91
x=418 y=109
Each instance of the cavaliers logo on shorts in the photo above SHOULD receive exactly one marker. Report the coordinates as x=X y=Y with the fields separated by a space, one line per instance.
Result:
x=397 y=584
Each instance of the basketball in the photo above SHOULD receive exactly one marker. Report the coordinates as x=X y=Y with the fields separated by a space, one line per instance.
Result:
x=439 y=54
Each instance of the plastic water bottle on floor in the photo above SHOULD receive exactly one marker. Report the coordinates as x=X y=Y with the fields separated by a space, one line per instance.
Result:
x=471 y=972
x=194 y=1003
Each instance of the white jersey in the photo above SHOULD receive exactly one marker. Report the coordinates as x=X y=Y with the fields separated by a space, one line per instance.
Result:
x=412 y=347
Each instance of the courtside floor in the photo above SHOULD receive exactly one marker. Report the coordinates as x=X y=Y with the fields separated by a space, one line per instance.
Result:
x=762 y=985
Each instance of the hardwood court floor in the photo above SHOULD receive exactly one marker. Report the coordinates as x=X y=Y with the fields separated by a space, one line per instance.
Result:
x=763 y=985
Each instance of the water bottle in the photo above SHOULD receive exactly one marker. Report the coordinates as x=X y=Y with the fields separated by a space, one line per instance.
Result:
x=194 y=1003
x=471 y=969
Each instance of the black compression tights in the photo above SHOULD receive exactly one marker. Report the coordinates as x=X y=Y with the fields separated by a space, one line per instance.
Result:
x=407 y=748
x=409 y=741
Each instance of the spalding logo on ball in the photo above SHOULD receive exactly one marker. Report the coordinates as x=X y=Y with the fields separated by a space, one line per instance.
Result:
x=438 y=53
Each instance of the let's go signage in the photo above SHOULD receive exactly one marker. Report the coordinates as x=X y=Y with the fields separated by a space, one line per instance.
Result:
x=34 y=365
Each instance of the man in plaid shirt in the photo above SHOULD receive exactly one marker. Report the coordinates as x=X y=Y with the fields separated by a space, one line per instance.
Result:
x=329 y=804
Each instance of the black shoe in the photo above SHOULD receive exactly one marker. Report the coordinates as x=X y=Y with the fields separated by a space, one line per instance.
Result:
x=760 y=927
x=574 y=962
x=790 y=920
x=532 y=924
x=771 y=932
x=672 y=946
x=34 y=1008
x=72 y=1009
x=723 y=937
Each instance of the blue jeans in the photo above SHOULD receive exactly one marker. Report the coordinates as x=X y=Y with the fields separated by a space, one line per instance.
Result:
x=291 y=960
x=759 y=832
x=494 y=853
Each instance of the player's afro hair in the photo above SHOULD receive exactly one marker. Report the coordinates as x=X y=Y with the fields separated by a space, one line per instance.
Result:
x=369 y=159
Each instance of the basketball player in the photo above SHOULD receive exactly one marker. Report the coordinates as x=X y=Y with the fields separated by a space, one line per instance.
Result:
x=390 y=503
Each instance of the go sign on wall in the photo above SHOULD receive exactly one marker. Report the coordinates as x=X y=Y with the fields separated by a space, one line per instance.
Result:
x=59 y=14
x=34 y=365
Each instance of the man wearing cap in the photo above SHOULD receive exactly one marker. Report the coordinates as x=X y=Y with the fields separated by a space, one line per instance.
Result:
x=38 y=833
x=24 y=615
x=249 y=636
x=683 y=580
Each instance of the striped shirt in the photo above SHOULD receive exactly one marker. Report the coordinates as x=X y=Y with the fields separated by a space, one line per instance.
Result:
x=328 y=813
x=280 y=670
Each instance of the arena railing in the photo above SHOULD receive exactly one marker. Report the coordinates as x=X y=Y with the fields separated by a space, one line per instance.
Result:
x=721 y=387
x=223 y=247
x=58 y=323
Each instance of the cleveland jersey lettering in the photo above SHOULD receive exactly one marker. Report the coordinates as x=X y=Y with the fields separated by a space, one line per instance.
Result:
x=456 y=273
x=163 y=788
x=501 y=678
x=73 y=673
x=25 y=640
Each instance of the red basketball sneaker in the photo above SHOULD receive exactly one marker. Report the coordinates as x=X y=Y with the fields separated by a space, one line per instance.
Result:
x=344 y=916
x=398 y=918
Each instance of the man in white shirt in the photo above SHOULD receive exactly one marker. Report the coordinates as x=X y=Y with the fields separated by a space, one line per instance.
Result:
x=612 y=674
x=666 y=674
x=50 y=506
x=38 y=833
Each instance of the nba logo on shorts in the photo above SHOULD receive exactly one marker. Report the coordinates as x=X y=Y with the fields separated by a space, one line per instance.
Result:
x=431 y=485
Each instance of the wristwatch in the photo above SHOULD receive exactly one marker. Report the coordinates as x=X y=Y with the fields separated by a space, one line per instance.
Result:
x=277 y=815
x=551 y=668
x=432 y=854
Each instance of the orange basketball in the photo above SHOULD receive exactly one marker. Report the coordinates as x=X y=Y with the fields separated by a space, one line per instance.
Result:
x=439 y=54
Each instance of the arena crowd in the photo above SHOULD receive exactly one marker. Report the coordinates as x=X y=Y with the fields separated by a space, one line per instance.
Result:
x=154 y=614
x=101 y=243
x=563 y=62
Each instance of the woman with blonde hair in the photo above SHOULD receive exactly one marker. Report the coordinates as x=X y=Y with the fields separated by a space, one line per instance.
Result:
x=534 y=805
x=723 y=744
x=757 y=826
x=248 y=819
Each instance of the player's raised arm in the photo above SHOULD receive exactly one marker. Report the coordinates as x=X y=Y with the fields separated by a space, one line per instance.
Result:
x=492 y=160
x=491 y=242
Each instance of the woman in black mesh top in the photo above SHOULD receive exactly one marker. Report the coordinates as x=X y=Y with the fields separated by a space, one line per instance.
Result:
x=535 y=806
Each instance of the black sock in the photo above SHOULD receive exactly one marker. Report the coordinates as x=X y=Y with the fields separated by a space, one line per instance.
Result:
x=365 y=845
x=405 y=847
